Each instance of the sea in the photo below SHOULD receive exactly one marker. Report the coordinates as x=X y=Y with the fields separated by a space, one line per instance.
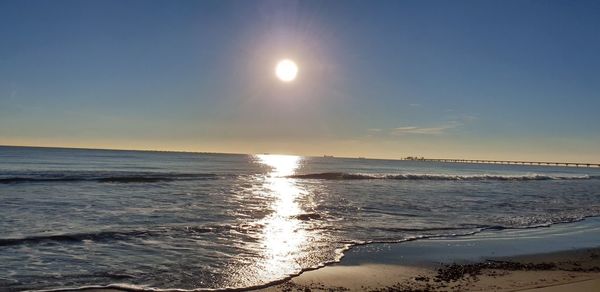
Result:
x=74 y=218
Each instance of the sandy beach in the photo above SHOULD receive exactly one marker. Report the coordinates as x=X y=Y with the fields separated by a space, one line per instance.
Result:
x=573 y=271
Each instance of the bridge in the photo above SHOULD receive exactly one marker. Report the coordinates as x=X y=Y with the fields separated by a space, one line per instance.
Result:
x=514 y=162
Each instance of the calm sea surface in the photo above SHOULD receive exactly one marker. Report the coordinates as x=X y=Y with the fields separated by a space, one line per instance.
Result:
x=72 y=218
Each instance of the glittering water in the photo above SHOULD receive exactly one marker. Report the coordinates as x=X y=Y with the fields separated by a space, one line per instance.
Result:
x=72 y=218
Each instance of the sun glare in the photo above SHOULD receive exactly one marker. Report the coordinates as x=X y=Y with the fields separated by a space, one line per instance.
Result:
x=286 y=70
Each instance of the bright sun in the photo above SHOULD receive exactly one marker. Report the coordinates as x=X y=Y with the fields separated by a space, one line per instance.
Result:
x=286 y=70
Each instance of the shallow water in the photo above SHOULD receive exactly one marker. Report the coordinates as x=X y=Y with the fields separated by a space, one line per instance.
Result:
x=74 y=218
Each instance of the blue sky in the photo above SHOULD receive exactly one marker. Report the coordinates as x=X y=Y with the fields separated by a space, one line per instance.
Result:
x=472 y=79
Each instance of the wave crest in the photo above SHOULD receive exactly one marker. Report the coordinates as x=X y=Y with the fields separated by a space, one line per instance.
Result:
x=107 y=178
x=112 y=235
x=413 y=176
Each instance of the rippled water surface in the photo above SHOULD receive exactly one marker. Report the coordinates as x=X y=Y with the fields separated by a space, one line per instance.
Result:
x=72 y=218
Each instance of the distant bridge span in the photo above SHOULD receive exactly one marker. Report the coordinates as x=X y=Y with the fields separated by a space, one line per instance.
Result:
x=515 y=162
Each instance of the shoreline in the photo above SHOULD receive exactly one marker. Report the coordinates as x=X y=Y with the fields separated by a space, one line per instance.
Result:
x=579 y=270
x=500 y=260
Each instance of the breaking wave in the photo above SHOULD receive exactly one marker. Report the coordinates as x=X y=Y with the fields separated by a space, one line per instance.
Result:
x=106 y=178
x=111 y=235
x=166 y=177
x=411 y=176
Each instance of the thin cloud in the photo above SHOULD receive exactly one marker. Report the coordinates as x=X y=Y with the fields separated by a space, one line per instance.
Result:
x=425 y=130
x=469 y=118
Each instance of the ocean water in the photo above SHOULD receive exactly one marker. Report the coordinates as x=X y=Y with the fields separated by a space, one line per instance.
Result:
x=72 y=218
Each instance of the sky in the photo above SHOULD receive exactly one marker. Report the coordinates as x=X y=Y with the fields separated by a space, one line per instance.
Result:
x=382 y=79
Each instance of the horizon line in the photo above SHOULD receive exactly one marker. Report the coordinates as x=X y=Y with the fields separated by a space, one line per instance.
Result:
x=406 y=158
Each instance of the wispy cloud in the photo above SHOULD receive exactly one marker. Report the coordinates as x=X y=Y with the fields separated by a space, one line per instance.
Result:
x=425 y=130
x=469 y=118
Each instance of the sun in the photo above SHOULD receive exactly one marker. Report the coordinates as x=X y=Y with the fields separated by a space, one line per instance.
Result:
x=286 y=70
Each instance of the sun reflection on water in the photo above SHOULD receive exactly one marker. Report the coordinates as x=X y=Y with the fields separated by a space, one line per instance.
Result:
x=283 y=235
